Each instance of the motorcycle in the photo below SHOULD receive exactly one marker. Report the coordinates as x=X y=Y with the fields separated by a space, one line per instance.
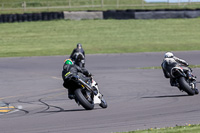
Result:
x=79 y=59
x=87 y=93
x=184 y=81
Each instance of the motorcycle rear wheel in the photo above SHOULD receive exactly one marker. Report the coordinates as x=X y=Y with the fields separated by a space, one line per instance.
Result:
x=83 y=100
x=185 y=86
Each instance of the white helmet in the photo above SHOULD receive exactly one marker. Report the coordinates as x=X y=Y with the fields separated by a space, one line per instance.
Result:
x=169 y=55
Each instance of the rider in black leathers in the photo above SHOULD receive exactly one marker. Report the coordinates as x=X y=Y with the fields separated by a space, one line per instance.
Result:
x=71 y=69
x=76 y=50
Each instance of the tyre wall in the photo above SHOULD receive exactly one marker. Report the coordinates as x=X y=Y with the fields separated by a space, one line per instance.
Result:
x=8 y=18
x=164 y=14
x=151 y=14
x=109 y=14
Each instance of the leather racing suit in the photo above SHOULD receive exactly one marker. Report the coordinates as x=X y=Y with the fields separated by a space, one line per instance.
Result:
x=169 y=63
x=74 y=70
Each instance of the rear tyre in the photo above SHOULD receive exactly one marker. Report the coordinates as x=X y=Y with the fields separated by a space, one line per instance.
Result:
x=185 y=86
x=83 y=100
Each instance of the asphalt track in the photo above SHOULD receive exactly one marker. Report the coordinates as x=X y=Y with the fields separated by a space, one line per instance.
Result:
x=137 y=98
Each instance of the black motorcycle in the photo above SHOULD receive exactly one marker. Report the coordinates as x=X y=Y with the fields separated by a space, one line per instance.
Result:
x=184 y=80
x=85 y=93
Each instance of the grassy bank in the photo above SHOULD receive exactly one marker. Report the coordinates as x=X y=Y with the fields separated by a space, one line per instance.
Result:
x=159 y=67
x=178 y=129
x=98 y=36
x=28 y=6
x=64 y=5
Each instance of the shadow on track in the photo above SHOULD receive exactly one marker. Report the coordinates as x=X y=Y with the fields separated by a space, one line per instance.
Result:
x=166 y=96
x=59 y=109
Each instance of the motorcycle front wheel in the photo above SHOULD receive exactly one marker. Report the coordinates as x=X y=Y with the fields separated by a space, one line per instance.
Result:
x=103 y=103
x=184 y=85
x=81 y=97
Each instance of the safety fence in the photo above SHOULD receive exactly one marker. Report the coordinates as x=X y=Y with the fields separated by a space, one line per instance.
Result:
x=89 y=4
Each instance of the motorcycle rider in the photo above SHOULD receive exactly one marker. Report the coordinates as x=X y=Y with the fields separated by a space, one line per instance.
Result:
x=71 y=69
x=79 y=48
x=171 y=61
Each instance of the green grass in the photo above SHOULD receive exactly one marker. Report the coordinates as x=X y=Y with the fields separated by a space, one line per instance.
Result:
x=98 y=36
x=159 y=67
x=178 y=129
x=70 y=5
x=16 y=5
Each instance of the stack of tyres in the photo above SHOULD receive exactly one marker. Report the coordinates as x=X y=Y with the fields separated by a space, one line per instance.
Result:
x=119 y=14
x=10 y=19
x=14 y=18
x=54 y=15
x=4 y=18
x=36 y=17
x=20 y=18
x=29 y=17
x=44 y=16
x=60 y=15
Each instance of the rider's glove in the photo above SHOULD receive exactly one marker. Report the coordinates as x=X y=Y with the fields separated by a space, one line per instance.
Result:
x=75 y=77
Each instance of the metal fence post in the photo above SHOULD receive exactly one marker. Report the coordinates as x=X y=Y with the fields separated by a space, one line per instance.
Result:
x=117 y=3
x=168 y=3
x=92 y=3
x=142 y=3
x=48 y=5
x=102 y=3
x=179 y=2
x=2 y=6
x=69 y=3
x=24 y=5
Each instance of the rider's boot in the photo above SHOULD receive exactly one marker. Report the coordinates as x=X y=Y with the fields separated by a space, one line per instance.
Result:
x=173 y=82
x=70 y=94
x=94 y=89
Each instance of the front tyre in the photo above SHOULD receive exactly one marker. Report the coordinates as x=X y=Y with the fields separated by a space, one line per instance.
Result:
x=83 y=100
x=196 y=91
x=185 y=86
x=103 y=103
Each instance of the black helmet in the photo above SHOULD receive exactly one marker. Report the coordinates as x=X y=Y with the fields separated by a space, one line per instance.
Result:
x=79 y=45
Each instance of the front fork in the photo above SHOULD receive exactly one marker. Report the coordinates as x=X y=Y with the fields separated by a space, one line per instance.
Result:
x=192 y=82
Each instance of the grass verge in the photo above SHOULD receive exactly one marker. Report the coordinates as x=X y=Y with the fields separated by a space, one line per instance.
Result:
x=17 y=6
x=158 y=67
x=178 y=129
x=98 y=36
